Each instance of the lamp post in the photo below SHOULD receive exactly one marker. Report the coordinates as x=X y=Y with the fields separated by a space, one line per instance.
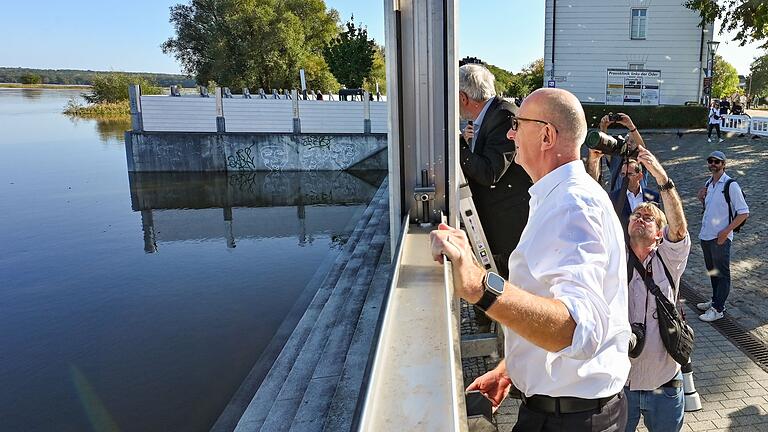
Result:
x=711 y=50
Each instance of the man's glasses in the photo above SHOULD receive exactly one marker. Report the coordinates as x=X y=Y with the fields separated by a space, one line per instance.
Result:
x=516 y=122
x=714 y=161
x=645 y=217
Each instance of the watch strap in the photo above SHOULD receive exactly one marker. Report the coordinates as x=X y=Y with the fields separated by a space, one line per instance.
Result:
x=667 y=186
x=489 y=297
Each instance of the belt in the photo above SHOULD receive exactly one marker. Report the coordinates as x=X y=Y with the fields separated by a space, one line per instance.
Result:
x=673 y=383
x=564 y=404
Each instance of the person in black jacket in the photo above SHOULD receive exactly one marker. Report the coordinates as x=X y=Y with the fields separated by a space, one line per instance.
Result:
x=499 y=185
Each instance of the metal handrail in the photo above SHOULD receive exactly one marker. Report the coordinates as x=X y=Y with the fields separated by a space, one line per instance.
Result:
x=416 y=381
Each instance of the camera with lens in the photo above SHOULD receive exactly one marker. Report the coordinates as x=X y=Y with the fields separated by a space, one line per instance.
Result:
x=636 y=339
x=615 y=117
x=611 y=145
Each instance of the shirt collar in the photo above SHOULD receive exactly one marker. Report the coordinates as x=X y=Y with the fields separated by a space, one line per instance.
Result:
x=722 y=178
x=481 y=116
x=549 y=182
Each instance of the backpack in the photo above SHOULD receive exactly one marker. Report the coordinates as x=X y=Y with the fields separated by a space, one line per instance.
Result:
x=727 y=192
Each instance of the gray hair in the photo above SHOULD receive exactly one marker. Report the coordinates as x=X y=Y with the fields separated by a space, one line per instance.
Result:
x=477 y=82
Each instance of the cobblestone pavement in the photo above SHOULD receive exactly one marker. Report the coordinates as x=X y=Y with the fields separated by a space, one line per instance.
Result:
x=733 y=389
x=685 y=161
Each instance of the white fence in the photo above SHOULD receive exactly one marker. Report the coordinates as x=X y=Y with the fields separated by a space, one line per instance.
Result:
x=199 y=114
x=745 y=124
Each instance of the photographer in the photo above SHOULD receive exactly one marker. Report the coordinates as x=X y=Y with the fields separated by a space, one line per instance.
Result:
x=661 y=245
x=634 y=139
x=714 y=121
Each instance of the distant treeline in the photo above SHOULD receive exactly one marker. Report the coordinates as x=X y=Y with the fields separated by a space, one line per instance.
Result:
x=85 y=77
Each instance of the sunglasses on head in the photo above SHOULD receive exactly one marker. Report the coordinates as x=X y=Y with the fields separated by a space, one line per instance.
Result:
x=714 y=161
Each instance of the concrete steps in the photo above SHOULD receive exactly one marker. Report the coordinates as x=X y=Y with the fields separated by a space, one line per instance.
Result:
x=316 y=380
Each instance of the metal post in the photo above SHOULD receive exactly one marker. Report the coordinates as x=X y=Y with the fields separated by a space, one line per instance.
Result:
x=134 y=95
x=296 y=118
x=220 y=123
x=366 y=113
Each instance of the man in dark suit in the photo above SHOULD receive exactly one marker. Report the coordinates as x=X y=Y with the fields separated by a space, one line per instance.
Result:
x=636 y=193
x=499 y=185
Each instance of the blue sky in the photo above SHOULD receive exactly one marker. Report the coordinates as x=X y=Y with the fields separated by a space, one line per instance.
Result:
x=120 y=35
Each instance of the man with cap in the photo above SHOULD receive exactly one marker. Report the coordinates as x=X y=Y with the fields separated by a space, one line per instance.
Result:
x=717 y=224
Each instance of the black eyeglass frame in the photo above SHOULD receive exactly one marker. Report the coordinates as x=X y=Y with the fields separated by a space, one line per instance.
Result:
x=714 y=161
x=515 y=120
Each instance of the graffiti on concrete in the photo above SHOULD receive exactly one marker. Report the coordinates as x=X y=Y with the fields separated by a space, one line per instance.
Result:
x=274 y=156
x=242 y=160
x=344 y=154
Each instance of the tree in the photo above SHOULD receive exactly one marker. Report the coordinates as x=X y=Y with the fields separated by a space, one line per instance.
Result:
x=758 y=79
x=528 y=80
x=30 y=78
x=378 y=73
x=253 y=43
x=350 y=55
x=748 y=17
x=113 y=87
x=725 y=80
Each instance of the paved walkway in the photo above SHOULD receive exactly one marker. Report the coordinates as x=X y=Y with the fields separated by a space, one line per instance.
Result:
x=733 y=389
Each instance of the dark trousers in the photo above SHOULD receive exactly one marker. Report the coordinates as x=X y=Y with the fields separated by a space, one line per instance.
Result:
x=713 y=126
x=717 y=259
x=612 y=417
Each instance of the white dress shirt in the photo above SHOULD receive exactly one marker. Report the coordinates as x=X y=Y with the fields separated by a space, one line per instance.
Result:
x=572 y=249
x=716 y=210
x=479 y=122
x=634 y=200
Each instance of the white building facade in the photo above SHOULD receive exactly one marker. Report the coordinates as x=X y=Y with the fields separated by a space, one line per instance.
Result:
x=625 y=52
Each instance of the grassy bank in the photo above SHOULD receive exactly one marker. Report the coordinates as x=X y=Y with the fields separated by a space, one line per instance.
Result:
x=115 y=109
x=45 y=86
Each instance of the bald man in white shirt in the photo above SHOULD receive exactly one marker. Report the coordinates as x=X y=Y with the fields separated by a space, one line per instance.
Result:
x=564 y=307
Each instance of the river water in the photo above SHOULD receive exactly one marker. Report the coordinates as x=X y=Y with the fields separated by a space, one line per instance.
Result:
x=140 y=302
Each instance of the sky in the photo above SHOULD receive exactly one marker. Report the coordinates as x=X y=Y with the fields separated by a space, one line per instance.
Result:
x=126 y=36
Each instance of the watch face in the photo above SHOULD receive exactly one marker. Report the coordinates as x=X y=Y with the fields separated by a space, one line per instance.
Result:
x=495 y=283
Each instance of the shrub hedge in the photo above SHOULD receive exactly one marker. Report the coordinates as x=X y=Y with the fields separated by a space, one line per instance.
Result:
x=651 y=117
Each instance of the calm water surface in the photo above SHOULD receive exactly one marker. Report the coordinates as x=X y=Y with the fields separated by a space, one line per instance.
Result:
x=141 y=302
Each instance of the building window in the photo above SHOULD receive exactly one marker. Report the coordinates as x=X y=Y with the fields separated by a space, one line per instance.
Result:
x=639 y=23
x=636 y=66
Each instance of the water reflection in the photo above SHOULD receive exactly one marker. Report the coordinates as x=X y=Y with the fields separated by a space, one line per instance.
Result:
x=32 y=93
x=181 y=206
x=109 y=129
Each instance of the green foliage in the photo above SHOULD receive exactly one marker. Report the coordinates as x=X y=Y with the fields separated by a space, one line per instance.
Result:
x=749 y=18
x=520 y=84
x=252 y=43
x=30 y=78
x=725 y=80
x=378 y=73
x=651 y=117
x=759 y=76
x=350 y=55
x=111 y=88
x=504 y=79
x=120 y=109
x=83 y=77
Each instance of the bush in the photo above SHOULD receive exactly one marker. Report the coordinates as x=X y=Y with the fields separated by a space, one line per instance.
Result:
x=113 y=87
x=651 y=117
x=30 y=78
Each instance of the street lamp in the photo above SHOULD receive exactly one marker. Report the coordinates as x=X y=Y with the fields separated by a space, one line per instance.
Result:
x=711 y=49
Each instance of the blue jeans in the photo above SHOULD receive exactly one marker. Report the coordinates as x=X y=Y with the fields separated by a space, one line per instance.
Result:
x=717 y=259
x=662 y=409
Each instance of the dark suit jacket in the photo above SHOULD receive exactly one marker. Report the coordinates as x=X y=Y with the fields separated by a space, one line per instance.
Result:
x=499 y=185
x=648 y=196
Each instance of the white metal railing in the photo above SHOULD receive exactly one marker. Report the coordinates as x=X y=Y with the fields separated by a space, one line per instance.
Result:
x=735 y=123
x=759 y=126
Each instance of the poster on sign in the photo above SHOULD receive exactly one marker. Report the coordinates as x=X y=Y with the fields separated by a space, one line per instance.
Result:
x=632 y=87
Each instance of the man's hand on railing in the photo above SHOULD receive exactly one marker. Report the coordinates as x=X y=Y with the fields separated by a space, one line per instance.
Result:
x=467 y=273
x=494 y=385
